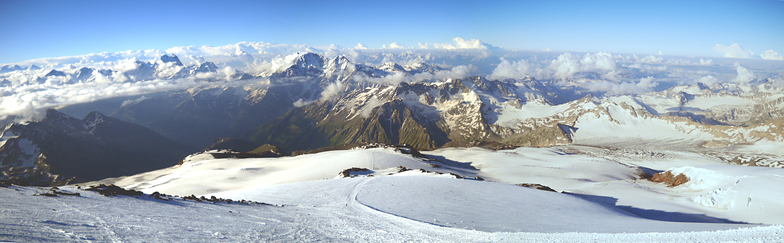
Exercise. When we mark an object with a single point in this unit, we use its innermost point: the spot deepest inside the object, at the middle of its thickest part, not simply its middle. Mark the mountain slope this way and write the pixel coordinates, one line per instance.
(60, 149)
(425, 115)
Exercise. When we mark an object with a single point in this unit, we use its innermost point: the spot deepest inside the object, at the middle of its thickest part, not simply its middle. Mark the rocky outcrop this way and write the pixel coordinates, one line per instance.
(669, 179)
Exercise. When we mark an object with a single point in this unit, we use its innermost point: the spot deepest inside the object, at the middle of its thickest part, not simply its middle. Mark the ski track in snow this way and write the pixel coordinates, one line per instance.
(106, 227)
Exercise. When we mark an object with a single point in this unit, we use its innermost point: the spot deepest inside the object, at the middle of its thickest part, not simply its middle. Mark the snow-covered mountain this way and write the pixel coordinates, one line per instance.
(164, 68)
(529, 112)
(227, 111)
(9, 68)
(60, 149)
(308, 101)
(198, 116)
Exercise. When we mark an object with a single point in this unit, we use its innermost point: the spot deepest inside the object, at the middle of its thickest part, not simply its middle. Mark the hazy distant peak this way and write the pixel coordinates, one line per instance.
(171, 58)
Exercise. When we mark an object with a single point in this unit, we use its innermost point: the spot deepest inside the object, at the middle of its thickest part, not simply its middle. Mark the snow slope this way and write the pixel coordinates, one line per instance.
(92, 217)
(467, 204)
(215, 175)
(310, 202)
(611, 176)
(606, 176)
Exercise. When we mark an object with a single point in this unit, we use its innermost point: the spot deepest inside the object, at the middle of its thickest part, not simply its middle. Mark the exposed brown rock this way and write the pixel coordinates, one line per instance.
(668, 178)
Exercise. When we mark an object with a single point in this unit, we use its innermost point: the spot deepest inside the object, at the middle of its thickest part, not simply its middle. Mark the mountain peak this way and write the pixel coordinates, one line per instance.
(702, 86)
(59, 119)
(8, 68)
(56, 73)
(207, 67)
(337, 63)
(171, 58)
(392, 67)
(93, 119)
(309, 60)
(84, 73)
(53, 114)
(93, 115)
(304, 64)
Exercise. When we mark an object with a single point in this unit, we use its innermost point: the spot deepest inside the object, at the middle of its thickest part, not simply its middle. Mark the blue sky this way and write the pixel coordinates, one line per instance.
(37, 29)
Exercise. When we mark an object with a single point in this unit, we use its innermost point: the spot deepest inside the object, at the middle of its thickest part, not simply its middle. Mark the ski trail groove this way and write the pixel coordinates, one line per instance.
(356, 204)
(112, 235)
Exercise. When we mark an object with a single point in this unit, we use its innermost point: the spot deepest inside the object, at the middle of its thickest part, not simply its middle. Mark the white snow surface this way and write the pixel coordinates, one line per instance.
(92, 217)
(510, 116)
(735, 191)
(7, 134)
(621, 125)
(710, 102)
(603, 200)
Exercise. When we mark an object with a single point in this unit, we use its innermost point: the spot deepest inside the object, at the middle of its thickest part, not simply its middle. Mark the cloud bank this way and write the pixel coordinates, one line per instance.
(566, 65)
(396, 78)
(733, 51)
(459, 44)
(29, 101)
(707, 80)
(511, 70)
(771, 55)
(744, 75)
(611, 88)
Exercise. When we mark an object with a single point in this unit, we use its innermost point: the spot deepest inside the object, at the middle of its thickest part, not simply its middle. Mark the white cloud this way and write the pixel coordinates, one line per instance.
(611, 88)
(652, 59)
(457, 72)
(133, 101)
(373, 102)
(506, 70)
(568, 64)
(360, 46)
(647, 83)
(548, 49)
(301, 103)
(460, 43)
(331, 90)
(707, 80)
(744, 75)
(394, 45)
(393, 79)
(771, 55)
(733, 51)
(30, 99)
(469, 44)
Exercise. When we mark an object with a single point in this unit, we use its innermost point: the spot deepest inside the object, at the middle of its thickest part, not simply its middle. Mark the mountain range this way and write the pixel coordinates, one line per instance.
(313, 102)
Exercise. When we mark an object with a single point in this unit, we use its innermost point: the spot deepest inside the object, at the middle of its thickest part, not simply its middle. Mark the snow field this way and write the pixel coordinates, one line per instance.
(215, 175)
(605, 201)
(92, 217)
